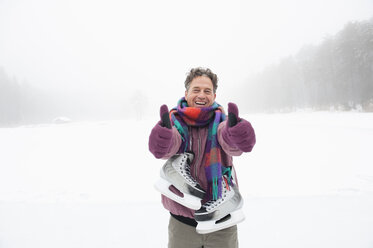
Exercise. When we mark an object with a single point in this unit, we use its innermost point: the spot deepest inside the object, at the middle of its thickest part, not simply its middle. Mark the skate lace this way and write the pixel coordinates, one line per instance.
(212, 204)
(185, 167)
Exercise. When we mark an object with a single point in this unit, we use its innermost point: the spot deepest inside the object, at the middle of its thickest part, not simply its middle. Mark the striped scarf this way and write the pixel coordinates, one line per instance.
(183, 116)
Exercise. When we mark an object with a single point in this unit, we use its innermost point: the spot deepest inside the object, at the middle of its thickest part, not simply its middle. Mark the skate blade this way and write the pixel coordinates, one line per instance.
(189, 201)
(204, 227)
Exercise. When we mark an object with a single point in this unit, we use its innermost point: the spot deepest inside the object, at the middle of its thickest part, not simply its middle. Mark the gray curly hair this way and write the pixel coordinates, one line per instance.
(200, 71)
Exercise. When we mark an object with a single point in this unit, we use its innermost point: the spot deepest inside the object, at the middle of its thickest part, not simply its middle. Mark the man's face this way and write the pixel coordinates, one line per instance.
(200, 93)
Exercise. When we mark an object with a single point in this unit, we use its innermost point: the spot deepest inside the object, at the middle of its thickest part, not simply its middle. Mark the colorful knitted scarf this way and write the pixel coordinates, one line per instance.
(183, 116)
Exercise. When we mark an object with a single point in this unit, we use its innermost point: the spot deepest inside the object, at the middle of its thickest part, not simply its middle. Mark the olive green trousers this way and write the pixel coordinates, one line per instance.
(181, 235)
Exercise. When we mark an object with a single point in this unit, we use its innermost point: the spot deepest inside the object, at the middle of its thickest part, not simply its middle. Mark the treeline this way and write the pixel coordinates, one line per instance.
(9, 100)
(22, 103)
(335, 75)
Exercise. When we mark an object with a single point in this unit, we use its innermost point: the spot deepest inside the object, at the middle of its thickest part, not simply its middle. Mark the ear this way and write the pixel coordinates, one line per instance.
(186, 94)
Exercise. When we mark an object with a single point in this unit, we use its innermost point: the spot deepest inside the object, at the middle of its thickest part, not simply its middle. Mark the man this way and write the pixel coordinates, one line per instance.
(199, 126)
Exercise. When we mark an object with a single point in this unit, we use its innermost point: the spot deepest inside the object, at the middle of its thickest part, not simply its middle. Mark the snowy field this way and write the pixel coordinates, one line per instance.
(308, 183)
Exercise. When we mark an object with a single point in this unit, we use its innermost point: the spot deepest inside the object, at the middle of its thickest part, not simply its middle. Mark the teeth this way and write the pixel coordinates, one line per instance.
(200, 103)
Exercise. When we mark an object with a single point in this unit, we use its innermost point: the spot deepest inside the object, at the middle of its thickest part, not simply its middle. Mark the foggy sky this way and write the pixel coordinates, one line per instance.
(111, 50)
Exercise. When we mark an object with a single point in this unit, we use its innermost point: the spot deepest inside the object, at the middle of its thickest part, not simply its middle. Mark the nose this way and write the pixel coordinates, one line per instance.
(201, 95)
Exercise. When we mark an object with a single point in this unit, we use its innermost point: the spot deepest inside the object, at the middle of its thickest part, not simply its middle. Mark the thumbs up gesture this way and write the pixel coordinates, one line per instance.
(238, 132)
(160, 139)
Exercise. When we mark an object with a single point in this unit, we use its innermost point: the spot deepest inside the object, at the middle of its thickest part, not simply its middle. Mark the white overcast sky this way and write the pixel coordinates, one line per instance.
(114, 46)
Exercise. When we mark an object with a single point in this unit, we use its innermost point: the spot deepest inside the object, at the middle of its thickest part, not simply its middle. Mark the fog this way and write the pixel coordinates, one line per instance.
(110, 59)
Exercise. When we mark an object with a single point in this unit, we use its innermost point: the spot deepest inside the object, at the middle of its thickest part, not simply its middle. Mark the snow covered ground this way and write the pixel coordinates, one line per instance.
(307, 183)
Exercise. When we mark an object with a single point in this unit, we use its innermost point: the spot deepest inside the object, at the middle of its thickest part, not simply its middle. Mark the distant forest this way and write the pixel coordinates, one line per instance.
(334, 75)
(22, 103)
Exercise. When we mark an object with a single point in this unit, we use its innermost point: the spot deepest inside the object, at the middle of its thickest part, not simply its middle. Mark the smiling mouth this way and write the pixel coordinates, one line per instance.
(200, 103)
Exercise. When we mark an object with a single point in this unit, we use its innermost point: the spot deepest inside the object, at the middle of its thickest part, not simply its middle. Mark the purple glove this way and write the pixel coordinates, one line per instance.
(238, 132)
(161, 135)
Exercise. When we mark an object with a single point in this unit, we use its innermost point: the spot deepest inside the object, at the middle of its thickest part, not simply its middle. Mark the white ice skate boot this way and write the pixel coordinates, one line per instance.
(222, 213)
(176, 172)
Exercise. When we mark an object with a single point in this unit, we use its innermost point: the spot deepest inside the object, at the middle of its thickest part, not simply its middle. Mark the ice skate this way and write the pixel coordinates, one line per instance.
(176, 172)
(222, 213)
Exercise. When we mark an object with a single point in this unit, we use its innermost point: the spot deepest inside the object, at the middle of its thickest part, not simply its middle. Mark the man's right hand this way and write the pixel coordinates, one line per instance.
(160, 139)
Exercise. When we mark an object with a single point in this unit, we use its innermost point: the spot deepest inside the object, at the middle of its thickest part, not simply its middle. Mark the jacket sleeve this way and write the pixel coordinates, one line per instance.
(176, 142)
(232, 151)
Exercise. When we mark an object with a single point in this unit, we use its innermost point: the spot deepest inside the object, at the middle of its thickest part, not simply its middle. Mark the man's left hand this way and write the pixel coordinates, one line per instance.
(238, 132)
